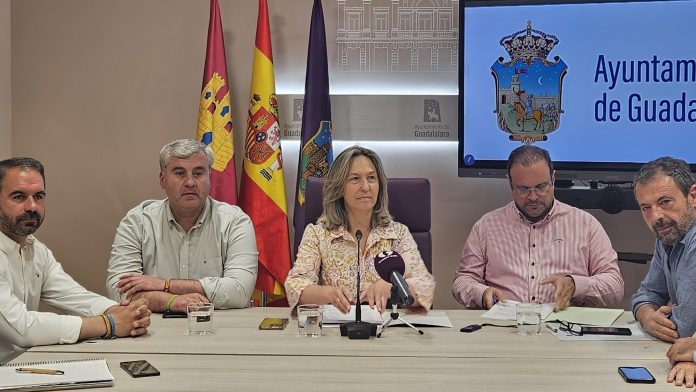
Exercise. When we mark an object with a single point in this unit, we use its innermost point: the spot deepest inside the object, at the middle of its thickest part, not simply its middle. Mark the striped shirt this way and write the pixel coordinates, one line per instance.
(506, 251)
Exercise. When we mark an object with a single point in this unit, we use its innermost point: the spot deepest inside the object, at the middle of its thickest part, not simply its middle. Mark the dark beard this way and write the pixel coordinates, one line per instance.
(535, 219)
(13, 228)
(679, 229)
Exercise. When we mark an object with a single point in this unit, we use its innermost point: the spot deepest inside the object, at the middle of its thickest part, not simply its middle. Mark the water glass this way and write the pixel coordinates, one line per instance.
(200, 318)
(309, 320)
(528, 318)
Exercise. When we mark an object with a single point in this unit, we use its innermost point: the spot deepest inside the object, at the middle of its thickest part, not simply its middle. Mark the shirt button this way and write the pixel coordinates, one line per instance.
(533, 245)
(533, 298)
(183, 266)
(534, 227)
(532, 277)
(532, 263)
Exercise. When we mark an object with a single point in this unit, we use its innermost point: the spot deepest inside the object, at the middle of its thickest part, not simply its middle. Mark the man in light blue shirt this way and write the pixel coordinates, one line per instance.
(665, 304)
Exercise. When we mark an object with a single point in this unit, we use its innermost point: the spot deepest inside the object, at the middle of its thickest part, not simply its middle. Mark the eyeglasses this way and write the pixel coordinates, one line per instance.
(570, 328)
(540, 189)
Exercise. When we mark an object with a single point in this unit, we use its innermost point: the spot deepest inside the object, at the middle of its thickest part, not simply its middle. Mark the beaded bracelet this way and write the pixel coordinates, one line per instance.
(168, 304)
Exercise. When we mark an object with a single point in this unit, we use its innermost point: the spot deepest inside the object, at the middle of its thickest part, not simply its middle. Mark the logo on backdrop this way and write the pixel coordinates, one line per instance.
(431, 110)
(297, 107)
(528, 86)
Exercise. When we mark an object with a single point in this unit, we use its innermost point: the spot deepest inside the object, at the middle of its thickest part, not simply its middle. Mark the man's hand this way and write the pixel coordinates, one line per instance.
(132, 319)
(181, 301)
(377, 295)
(682, 350)
(340, 297)
(682, 373)
(131, 284)
(565, 289)
(491, 296)
(655, 322)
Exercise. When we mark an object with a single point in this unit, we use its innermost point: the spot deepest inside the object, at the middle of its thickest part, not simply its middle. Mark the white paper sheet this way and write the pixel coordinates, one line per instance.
(433, 318)
(506, 311)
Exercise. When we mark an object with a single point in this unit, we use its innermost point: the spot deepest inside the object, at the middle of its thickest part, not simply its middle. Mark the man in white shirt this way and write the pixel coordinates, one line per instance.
(188, 247)
(30, 274)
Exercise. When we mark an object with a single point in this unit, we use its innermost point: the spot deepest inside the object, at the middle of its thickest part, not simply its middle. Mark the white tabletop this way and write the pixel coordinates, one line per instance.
(239, 356)
(236, 333)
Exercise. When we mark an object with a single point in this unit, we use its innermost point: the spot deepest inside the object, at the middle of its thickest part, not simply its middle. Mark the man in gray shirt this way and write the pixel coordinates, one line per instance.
(665, 304)
(188, 247)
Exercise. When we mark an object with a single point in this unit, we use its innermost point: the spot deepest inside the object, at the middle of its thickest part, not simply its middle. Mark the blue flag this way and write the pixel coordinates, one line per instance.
(316, 153)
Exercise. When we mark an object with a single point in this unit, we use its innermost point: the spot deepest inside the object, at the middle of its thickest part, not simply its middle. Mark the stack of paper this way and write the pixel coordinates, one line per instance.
(82, 373)
(579, 315)
(589, 316)
(506, 311)
(431, 318)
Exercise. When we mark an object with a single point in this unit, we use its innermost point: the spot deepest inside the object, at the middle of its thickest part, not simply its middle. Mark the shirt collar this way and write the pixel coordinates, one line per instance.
(8, 245)
(201, 218)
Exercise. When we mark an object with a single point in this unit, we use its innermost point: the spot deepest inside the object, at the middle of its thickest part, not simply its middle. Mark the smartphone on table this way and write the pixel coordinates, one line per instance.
(273, 323)
(636, 375)
(140, 368)
(170, 314)
(622, 331)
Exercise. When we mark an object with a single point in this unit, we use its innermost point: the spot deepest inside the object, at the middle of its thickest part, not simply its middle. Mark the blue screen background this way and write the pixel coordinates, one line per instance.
(625, 31)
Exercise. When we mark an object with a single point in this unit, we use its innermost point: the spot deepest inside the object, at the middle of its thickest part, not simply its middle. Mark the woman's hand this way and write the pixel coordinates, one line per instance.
(377, 295)
(340, 297)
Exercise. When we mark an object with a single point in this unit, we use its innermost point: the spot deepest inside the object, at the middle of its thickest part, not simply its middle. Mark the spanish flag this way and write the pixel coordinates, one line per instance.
(262, 194)
(214, 113)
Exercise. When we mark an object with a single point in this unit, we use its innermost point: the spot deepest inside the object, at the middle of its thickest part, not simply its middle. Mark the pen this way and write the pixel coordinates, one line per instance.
(40, 371)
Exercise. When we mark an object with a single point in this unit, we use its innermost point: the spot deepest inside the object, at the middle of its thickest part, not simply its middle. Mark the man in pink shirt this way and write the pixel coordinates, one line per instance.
(537, 249)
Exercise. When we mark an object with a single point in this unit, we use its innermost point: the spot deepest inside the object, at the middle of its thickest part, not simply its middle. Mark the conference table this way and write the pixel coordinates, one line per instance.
(239, 356)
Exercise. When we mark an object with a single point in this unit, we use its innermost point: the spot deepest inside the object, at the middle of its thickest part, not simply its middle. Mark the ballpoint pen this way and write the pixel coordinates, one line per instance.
(40, 371)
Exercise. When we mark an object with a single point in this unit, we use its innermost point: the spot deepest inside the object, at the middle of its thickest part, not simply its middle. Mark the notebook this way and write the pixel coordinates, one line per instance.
(79, 373)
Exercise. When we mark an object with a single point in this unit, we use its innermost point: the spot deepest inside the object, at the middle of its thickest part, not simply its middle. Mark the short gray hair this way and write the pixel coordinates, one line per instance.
(678, 169)
(184, 149)
(335, 213)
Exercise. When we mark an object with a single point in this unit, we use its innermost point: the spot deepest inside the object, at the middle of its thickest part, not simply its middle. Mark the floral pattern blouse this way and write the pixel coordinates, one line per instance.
(327, 258)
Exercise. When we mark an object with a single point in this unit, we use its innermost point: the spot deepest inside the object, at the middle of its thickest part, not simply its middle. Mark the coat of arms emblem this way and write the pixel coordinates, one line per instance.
(528, 86)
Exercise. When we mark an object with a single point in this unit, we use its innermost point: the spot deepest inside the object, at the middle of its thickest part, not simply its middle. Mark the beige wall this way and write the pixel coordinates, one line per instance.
(105, 83)
(5, 81)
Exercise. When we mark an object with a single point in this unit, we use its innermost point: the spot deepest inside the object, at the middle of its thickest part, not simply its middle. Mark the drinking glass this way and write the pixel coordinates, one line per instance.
(309, 320)
(200, 318)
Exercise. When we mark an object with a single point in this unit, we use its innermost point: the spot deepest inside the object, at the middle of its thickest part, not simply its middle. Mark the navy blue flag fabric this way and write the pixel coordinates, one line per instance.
(316, 153)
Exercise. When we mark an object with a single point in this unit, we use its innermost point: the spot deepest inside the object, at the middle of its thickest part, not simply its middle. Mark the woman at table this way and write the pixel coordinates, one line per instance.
(355, 198)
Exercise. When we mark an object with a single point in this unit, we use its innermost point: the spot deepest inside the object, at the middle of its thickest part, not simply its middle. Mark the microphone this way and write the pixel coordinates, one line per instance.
(390, 266)
(358, 329)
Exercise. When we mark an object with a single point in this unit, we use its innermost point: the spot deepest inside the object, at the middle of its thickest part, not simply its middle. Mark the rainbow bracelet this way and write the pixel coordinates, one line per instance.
(112, 324)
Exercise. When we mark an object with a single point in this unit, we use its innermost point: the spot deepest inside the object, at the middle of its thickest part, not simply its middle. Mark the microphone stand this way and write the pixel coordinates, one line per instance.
(395, 314)
(358, 329)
